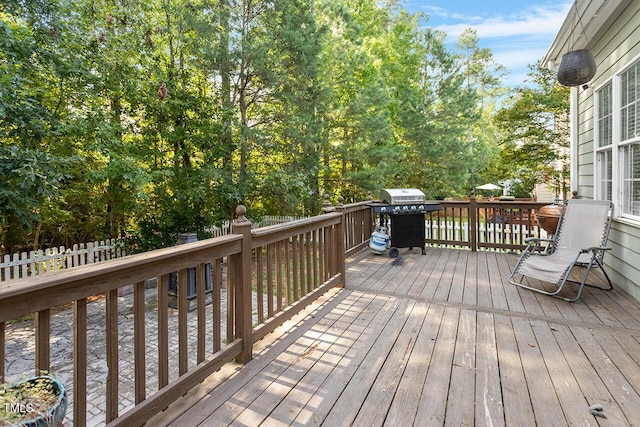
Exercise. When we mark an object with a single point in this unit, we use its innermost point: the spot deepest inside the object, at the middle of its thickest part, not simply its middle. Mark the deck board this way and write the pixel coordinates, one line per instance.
(440, 339)
(518, 409)
(489, 409)
(405, 404)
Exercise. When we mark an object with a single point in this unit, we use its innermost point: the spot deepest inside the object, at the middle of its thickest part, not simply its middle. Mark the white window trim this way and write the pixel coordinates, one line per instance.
(596, 143)
(617, 178)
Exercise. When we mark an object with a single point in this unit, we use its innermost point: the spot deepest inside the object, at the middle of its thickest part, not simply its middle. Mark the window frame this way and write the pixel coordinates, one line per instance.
(601, 151)
(617, 147)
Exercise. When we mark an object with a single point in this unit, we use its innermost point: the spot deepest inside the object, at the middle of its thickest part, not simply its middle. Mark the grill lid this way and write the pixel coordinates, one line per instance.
(397, 196)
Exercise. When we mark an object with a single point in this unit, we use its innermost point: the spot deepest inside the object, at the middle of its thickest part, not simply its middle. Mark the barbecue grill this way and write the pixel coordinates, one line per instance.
(405, 207)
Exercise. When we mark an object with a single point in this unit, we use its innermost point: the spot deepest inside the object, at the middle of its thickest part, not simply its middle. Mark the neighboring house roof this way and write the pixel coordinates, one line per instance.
(578, 31)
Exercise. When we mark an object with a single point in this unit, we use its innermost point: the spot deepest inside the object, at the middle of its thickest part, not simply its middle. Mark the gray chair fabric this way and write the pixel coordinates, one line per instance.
(580, 240)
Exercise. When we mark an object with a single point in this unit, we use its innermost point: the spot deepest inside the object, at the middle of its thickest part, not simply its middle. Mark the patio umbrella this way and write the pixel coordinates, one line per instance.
(488, 187)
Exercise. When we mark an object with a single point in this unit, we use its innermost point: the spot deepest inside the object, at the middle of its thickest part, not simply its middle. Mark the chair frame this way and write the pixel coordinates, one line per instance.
(546, 247)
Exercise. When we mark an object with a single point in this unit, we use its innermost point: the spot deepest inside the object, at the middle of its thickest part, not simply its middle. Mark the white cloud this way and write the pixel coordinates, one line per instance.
(516, 39)
(518, 58)
(447, 14)
(536, 20)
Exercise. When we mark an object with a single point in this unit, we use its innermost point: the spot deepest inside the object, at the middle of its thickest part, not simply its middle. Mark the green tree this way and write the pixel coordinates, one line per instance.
(32, 166)
(482, 75)
(153, 118)
(534, 133)
(438, 158)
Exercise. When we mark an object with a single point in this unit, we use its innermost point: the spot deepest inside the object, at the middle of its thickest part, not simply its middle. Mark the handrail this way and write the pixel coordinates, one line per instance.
(65, 286)
(269, 234)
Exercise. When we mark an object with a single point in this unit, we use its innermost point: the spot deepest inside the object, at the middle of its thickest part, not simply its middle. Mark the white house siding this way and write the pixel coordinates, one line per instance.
(614, 48)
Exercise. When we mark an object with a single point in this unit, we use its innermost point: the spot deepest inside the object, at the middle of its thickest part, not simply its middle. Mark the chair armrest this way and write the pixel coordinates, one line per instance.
(535, 245)
(536, 240)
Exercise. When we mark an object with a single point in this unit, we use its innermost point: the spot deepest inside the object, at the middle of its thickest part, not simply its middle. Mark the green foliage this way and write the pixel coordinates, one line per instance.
(148, 119)
(29, 177)
(533, 129)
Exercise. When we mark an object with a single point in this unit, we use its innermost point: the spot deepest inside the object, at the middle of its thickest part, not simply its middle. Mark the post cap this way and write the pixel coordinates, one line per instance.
(326, 205)
(241, 210)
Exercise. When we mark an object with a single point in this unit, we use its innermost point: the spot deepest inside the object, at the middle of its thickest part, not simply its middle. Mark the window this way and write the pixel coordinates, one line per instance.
(604, 157)
(617, 145)
(630, 96)
(605, 116)
(630, 139)
(631, 180)
(605, 163)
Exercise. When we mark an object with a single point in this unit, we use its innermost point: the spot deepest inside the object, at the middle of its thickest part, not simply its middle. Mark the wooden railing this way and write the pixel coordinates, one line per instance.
(483, 225)
(151, 351)
(358, 225)
(153, 354)
(23, 264)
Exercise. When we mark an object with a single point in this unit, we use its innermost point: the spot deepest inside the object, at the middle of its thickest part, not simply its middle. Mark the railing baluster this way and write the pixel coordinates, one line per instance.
(279, 284)
(217, 301)
(231, 308)
(80, 362)
(287, 263)
(139, 348)
(260, 283)
(43, 345)
(315, 257)
(322, 259)
(302, 263)
(163, 331)
(183, 306)
(328, 249)
(339, 252)
(269, 260)
(202, 314)
(112, 354)
(308, 250)
(295, 265)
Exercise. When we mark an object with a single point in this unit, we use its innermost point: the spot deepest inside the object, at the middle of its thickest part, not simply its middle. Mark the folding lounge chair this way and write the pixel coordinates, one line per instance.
(579, 240)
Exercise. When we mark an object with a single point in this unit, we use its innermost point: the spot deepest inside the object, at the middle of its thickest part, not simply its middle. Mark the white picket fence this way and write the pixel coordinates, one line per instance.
(14, 266)
(225, 227)
(487, 233)
(276, 219)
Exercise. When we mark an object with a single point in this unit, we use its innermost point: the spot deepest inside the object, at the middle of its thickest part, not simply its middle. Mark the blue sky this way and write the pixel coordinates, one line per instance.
(518, 32)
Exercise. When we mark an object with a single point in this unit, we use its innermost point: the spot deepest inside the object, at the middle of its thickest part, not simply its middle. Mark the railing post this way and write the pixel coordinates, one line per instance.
(473, 222)
(340, 242)
(327, 206)
(241, 270)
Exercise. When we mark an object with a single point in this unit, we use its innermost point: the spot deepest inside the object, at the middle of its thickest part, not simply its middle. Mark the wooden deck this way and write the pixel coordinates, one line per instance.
(440, 339)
